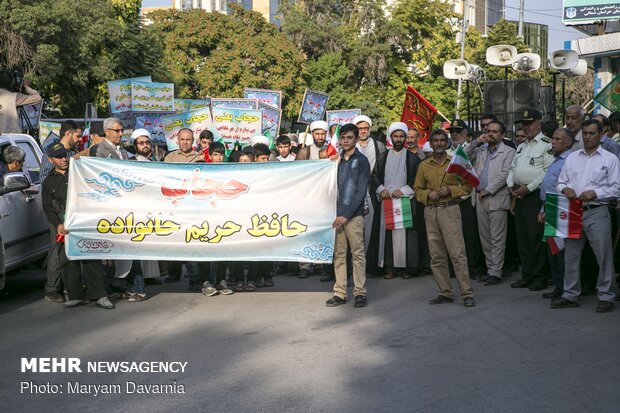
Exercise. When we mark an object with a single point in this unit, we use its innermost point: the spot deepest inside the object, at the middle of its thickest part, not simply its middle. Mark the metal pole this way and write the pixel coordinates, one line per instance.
(468, 106)
(458, 91)
(505, 95)
(521, 7)
(555, 100)
(563, 100)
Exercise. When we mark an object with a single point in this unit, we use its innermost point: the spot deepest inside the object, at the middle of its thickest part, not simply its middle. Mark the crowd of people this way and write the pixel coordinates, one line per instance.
(474, 234)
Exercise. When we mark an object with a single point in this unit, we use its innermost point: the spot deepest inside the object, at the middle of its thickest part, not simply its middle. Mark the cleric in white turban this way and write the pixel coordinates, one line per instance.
(395, 249)
(319, 124)
(318, 130)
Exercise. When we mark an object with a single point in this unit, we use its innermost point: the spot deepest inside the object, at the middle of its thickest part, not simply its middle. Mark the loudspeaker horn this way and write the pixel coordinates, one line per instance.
(579, 70)
(564, 59)
(526, 62)
(456, 69)
(475, 73)
(501, 55)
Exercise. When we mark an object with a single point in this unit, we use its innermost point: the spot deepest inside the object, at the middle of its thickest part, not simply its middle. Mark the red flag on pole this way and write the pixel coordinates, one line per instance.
(418, 113)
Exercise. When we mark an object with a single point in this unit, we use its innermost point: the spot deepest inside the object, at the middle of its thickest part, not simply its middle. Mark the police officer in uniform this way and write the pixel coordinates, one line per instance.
(529, 167)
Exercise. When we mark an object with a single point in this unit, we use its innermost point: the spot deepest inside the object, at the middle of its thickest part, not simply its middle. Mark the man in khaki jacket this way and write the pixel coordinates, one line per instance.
(492, 161)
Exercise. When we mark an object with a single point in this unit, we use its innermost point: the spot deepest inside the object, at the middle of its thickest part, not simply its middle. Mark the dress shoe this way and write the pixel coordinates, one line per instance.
(440, 299)
(563, 303)
(335, 301)
(604, 307)
(552, 294)
(469, 302)
(360, 301)
(520, 284)
(104, 302)
(492, 280)
(537, 287)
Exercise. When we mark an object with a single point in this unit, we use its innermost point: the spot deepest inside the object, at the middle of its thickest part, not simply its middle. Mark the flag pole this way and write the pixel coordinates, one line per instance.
(443, 116)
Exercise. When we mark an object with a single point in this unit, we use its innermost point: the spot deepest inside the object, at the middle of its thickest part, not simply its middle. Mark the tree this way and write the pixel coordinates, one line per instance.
(77, 46)
(212, 54)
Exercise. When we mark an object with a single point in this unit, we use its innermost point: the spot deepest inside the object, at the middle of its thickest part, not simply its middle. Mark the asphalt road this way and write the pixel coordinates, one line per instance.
(280, 349)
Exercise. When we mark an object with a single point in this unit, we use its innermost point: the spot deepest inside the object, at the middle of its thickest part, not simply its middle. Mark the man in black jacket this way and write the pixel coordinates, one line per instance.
(54, 204)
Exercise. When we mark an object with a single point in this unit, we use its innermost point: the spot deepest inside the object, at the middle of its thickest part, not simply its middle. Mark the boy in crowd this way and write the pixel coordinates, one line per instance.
(217, 153)
(283, 145)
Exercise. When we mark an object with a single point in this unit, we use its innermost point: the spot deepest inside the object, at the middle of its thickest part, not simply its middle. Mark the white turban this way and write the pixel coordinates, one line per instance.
(259, 139)
(362, 118)
(140, 132)
(319, 124)
(427, 147)
(397, 126)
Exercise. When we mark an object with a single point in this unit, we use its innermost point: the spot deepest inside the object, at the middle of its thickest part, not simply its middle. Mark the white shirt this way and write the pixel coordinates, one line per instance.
(290, 157)
(599, 172)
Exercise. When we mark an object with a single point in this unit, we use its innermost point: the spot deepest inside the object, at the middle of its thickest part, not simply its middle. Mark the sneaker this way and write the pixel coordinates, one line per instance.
(208, 289)
(223, 288)
(54, 297)
(469, 302)
(136, 298)
(74, 303)
(104, 302)
(250, 287)
(239, 287)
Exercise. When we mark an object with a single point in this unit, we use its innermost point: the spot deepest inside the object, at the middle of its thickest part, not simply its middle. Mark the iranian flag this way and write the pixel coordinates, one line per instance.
(332, 148)
(461, 166)
(555, 245)
(398, 213)
(563, 217)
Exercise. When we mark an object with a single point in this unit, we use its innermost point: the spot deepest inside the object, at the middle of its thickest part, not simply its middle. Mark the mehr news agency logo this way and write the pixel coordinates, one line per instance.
(75, 365)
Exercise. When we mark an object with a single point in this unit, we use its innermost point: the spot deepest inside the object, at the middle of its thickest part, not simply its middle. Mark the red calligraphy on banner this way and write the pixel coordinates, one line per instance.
(418, 113)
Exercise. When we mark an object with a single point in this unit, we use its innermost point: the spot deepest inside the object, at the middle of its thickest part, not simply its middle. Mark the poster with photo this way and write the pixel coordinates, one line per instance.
(313, 106)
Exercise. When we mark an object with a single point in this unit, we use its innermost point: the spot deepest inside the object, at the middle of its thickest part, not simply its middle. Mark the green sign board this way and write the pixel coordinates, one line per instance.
(577, 12)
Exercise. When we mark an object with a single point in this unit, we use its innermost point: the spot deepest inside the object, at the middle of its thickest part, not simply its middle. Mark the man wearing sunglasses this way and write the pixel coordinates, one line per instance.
(110, 146)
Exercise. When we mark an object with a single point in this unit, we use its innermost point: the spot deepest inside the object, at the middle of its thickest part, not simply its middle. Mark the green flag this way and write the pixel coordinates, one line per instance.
(610, 95)
(272, 144)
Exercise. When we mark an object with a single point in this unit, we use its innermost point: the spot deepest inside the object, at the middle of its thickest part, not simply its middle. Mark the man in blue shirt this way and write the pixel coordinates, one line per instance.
(353, 179)
(561, 143)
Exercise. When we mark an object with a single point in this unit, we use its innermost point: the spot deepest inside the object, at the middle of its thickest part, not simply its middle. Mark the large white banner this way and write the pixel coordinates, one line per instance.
(274, 211)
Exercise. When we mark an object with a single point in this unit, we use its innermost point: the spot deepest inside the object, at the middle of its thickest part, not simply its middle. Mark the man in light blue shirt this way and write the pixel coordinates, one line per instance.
(561, 143)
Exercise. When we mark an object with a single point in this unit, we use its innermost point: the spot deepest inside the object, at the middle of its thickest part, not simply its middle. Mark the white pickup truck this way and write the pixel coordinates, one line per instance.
(24, 230)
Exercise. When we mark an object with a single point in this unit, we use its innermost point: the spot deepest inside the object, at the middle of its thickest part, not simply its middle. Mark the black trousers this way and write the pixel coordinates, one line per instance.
(473, 248)
(532, 251)
(72, 272)
(511, 255)
(54, 276)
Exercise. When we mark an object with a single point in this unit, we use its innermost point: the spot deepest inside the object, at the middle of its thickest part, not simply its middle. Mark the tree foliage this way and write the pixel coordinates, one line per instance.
(213, 54)
(77, 46)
